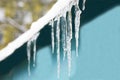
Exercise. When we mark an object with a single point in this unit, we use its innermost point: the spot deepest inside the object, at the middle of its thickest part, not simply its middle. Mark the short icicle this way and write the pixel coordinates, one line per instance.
(58, 45)
(34, 39)
(29, 56)
(83, 5)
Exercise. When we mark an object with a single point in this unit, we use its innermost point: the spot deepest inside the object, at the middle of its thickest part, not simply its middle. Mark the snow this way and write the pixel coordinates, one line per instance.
(2, 14)
(59, 10)
(35, 28)
(27, 18)
(20, 4)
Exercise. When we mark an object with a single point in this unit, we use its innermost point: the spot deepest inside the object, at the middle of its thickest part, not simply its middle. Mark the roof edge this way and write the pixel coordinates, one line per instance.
(35, 28)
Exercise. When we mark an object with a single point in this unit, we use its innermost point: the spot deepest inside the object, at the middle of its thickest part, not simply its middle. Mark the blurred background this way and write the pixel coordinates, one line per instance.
(16, 17)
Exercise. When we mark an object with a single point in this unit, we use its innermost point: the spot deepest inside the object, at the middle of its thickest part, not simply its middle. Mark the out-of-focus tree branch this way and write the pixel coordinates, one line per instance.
(16, 25)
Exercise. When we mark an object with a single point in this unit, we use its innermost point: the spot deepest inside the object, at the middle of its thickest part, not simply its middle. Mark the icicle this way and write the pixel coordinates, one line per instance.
(58, 45)
(84, 1)
(77, 25)
(29, 56)
(69, 38)
(64, 42)
(34, 48)
(29, 52)
(52, 34)
(64, 32)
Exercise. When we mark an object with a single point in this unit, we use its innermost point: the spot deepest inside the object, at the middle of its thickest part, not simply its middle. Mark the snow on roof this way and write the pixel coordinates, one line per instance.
(35, 28)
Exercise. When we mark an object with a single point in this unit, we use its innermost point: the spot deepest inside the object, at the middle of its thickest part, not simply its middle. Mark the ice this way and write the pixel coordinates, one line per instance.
(66, 28)
(67, 35)
(84, 1)
(77, 25)
(64, 36)
(69, 38)
(29, 56)
(61, 7)
(52, 34)
(58, 45)
(34, 39)
(29, 43)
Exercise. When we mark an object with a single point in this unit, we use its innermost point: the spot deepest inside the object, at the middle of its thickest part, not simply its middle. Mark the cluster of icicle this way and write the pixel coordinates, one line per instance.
(64, 30)
(29, 44)
(66, 33)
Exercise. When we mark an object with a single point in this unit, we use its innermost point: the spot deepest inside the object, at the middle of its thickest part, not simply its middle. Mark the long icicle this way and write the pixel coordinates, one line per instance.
(64, 36)
(69, 38)
(34, 48)
(58, 45)
(77, 24)
(29, 56)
